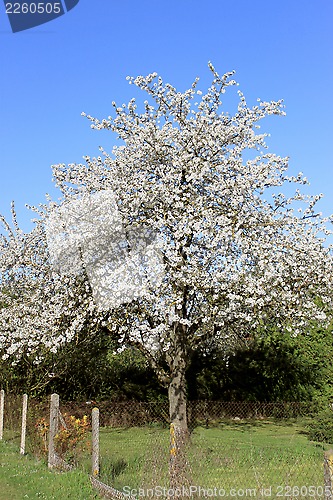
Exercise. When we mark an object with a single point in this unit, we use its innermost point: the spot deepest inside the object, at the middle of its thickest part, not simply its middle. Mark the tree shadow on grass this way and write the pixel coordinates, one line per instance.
(110, 469)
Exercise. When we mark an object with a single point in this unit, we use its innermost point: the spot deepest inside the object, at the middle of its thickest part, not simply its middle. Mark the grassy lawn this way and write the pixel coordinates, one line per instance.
(238, 455)
(256, 456)
(23, 477)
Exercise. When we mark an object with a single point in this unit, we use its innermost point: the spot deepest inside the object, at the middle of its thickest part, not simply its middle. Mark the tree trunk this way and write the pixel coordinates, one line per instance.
(177, 394)
(179, 474)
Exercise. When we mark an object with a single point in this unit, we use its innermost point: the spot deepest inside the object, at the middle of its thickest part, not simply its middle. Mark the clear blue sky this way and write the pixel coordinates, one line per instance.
(79, 62)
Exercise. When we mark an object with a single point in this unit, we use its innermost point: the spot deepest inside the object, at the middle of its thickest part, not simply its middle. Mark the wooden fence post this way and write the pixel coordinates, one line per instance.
(328, 474)
(24, 423)
(2, 408)
(54, 423)
(95, 441)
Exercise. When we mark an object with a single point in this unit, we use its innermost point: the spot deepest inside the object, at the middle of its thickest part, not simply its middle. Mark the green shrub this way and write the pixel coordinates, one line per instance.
(321, 427)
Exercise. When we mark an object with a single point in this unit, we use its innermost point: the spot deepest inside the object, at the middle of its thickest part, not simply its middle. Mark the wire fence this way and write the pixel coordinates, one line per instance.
(235, 449)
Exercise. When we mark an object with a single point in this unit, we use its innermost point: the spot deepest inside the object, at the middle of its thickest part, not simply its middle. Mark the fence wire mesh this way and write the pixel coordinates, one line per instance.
(247, 449)
(234, 450)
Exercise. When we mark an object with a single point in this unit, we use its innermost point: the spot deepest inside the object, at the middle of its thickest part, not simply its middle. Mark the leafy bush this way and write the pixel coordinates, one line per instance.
(321, 427)
(71, 440)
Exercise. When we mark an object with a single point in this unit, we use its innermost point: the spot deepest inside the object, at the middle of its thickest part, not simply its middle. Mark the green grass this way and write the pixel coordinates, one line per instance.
(23, 477)
(232, 454)
(258, 455)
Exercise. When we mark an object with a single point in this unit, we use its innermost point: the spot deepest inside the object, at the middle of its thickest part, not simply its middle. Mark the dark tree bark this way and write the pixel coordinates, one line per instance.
(177, 392)
(179, 435)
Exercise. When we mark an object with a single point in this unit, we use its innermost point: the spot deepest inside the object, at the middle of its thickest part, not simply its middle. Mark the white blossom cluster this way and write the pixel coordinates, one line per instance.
(40, 308)
(176, 232)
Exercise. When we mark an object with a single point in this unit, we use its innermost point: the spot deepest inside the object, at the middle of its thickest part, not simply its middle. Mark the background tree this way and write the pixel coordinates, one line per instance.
(271, 368)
